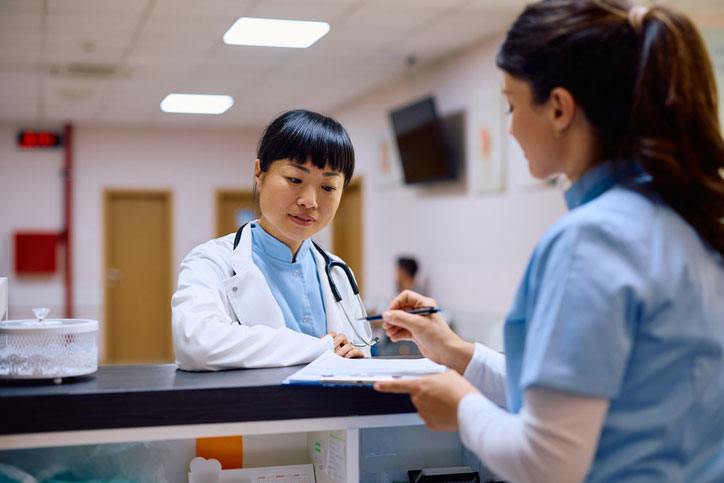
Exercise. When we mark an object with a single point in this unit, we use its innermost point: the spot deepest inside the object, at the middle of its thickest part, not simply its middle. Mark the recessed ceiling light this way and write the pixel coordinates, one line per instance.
(269, 32)
(196, 103)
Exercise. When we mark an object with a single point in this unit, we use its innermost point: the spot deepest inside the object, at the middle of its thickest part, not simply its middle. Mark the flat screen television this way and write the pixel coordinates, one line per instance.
(425, 152)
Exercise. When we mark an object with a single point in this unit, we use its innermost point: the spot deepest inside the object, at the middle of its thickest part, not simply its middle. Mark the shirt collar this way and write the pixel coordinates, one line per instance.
(270, 246)
(600, 179)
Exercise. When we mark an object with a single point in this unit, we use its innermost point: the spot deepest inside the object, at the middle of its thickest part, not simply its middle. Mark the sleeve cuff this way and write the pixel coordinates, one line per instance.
(329, 342)
(473, 369)
(476, 367)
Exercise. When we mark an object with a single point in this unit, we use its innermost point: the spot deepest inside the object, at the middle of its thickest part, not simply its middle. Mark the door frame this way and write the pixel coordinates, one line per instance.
(108, 193)
(220, 193)
(357, 183)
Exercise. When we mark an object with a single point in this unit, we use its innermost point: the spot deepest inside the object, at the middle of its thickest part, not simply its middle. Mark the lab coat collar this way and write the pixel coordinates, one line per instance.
(247, 290)
(241, 259)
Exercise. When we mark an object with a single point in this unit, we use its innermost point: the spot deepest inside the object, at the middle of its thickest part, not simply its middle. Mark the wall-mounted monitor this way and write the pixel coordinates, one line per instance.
(425, 152)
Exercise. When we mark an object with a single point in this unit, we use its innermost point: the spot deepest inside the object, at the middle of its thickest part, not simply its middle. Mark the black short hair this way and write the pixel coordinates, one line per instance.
(302, 135)
(408, 264)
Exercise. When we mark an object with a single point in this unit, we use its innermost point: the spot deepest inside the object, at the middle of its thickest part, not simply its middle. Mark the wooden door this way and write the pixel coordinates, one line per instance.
(138, 277)
(347, 229)
(233, 209)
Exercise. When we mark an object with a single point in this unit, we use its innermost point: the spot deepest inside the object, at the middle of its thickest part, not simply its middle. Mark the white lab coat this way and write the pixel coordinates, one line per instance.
(225, 321)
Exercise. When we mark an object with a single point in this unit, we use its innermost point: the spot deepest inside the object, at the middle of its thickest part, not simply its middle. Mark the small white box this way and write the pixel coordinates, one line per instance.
(209, 471)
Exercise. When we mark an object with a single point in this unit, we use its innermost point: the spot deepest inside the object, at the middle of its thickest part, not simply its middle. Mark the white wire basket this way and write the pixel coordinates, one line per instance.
(48, 349)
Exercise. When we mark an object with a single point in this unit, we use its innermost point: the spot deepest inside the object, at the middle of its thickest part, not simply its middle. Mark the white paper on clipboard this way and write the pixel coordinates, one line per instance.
(332, 369)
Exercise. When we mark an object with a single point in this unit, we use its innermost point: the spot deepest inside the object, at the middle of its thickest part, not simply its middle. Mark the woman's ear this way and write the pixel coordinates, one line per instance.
(258, 173)
(563, 108)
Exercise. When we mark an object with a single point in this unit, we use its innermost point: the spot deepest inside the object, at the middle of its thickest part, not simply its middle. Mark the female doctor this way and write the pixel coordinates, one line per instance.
(263, 297)
(614, 346)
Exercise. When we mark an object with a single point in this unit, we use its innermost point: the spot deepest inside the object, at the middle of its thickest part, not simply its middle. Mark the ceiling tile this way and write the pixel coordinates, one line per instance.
(17, 6)
(20, 22)
(83, 7)
(176, 119)
(75, 93)
(19, 87)
(484, 9)
(125, 117)
(313, 10)
(417, 6)
(179, 25)
(17, 112)
(252, 56)
(67, 49)
(135, 94)
(195, 8)
(71, 112)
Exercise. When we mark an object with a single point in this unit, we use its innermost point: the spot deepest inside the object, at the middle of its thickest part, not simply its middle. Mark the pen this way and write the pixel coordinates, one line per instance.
(426, 310)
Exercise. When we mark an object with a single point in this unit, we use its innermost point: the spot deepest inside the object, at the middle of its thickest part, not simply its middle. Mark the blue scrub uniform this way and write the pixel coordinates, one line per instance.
(622, 300)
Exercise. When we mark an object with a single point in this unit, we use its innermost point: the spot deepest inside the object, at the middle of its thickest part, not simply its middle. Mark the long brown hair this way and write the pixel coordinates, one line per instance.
(645, 82)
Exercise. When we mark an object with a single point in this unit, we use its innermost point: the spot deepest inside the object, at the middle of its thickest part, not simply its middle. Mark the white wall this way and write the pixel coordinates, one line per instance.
(192, 164)
(30, 200)
(473, 247)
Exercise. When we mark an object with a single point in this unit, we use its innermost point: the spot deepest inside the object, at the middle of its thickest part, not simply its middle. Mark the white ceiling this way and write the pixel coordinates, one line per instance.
(113, 61)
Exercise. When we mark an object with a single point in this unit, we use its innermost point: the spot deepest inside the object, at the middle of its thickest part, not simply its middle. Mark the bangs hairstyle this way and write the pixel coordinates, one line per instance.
(302, 136)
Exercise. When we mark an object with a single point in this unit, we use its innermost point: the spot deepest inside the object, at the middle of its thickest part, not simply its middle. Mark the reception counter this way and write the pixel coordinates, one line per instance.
(156, 397)
(159, 402)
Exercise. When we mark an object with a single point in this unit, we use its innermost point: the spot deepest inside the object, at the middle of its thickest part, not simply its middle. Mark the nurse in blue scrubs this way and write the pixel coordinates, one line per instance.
(614, 347)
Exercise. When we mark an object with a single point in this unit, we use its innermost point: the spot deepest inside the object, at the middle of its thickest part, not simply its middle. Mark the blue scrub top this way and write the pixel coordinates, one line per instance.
(622, 300)
(295, 285)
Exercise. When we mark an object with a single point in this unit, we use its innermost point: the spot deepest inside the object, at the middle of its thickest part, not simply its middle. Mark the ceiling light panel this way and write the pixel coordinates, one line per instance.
(269, 32)
(196, 103)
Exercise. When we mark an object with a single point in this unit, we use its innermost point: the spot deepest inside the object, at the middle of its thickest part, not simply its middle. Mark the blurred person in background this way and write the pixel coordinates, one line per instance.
(406, 279)
(406, 274)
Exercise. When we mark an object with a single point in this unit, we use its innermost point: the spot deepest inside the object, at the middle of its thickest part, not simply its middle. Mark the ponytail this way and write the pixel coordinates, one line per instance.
(645, 83)
(675, 130)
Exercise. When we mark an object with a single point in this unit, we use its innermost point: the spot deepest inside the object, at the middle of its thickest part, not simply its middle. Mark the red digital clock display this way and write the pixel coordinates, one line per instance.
(30, 139)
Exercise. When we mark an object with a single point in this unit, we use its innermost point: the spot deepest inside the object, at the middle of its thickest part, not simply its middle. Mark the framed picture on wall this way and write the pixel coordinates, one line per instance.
(487, 140)
(387, 168)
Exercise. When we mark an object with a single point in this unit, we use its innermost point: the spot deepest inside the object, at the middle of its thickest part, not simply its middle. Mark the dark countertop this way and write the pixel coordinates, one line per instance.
(161, 395)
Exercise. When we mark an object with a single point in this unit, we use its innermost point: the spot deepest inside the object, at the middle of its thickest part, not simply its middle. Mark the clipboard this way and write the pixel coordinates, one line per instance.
(330, 369)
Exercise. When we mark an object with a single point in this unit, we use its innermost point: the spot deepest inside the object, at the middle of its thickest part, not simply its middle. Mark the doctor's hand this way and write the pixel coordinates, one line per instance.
(431, 333)
(343, 348)
(436, 397)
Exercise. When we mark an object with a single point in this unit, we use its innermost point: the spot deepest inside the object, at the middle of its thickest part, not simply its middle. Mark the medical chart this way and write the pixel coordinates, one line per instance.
(332, 369)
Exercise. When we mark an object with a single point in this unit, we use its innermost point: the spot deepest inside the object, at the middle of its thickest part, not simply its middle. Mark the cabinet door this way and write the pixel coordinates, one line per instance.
(335, 455)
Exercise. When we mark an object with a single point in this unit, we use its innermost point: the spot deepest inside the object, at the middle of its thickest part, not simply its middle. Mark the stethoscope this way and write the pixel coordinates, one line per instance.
(329, 264)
